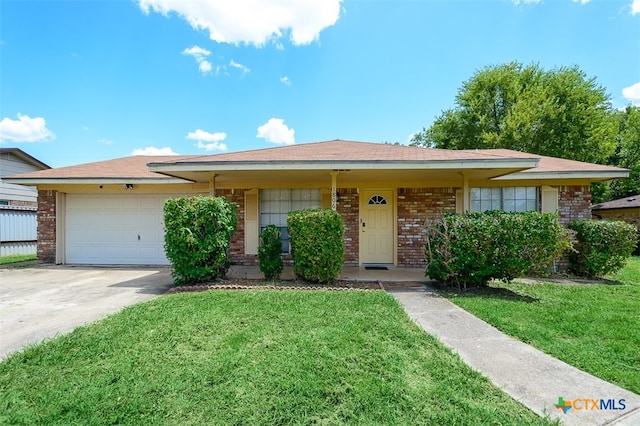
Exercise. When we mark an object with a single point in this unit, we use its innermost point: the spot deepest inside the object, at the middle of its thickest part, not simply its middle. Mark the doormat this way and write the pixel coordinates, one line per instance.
(376, 268)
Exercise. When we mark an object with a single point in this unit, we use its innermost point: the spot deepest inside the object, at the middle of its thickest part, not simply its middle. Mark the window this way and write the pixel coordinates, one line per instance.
(275, 204)
(377, 200)
(511, 199)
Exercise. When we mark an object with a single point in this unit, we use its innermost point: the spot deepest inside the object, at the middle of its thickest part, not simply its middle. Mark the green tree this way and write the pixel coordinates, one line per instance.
(627, 154)
(558, 112)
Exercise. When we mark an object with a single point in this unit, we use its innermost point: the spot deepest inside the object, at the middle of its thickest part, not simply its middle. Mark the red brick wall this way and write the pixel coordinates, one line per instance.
(46, 226)
(574, 202)
(415, 206)
(348, 207)
(236, 249)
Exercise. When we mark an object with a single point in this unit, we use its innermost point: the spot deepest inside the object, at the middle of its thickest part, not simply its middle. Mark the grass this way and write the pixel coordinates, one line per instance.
(630, 274)
(15, 258)
(251, 357)
(594, 327)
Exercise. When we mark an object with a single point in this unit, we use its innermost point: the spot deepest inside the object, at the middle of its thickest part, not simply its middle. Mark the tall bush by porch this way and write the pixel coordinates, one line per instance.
(602, 247)
(197, 236)
(270, 253)
(317, 244)
(471, 249)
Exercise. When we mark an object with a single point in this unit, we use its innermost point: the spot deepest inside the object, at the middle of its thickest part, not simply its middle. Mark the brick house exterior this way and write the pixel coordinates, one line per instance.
(110, 212)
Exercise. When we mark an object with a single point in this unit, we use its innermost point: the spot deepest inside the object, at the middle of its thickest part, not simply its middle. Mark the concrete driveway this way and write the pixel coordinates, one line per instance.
(41, 302)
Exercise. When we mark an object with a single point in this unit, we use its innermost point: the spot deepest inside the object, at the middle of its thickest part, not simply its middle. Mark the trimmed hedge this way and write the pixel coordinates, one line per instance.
(197, 236)
(269, 253)
(317, 244)
(602, 247)
(471, 249)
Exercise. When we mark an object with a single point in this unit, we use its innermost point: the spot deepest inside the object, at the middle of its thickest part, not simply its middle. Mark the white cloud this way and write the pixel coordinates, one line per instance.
(106, 141)
(151, 150)
(632, 93)
(277, 132)
(212, 146)
(200, 54)
(581, 1)
(214, 140)
(285, 80)
(252, 21)
(635, 7)
(85, 128)
(204, 66)
(25, 129)
(518, 2)
(241, 67)
(197, 52)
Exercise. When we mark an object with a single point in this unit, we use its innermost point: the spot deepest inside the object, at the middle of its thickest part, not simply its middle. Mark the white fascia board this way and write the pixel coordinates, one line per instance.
(91, 181)
(610, 174)
(354, 165)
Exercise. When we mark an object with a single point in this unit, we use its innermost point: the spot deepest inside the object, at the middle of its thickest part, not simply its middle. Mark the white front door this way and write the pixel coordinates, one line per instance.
(376, 226)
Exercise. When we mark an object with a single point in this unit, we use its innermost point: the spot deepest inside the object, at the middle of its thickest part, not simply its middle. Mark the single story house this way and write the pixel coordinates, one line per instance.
(18, 204)
(625, 209)
(110, 212)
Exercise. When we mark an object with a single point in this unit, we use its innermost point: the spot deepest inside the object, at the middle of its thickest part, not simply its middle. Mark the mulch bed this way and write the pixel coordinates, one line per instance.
(246, 284)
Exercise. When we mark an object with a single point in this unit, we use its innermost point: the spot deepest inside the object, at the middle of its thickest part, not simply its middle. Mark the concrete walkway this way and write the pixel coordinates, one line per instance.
(528, 375)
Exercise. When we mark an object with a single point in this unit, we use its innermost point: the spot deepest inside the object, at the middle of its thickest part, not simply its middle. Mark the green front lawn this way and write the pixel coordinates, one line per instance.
(15, 258)
(251, 357)
(594, 327)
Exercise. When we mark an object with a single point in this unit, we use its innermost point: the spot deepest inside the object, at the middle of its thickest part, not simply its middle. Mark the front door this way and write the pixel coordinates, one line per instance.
(376, 226)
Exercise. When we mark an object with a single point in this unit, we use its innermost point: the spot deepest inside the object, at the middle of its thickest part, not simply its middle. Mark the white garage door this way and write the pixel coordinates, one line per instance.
(115, 229)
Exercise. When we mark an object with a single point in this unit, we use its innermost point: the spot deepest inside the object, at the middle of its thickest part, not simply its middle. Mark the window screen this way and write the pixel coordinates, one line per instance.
(275, 204)
(511, 199)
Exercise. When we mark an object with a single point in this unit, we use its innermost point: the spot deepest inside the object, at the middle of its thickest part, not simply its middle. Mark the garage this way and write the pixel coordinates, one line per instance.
(115, 229)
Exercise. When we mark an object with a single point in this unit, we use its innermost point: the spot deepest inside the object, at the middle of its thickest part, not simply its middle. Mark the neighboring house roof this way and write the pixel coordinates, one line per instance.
(622, 203)
(346, 157)
(25, 157)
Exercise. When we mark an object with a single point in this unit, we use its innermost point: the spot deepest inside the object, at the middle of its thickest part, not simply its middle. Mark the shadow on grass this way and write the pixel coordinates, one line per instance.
(484, 292)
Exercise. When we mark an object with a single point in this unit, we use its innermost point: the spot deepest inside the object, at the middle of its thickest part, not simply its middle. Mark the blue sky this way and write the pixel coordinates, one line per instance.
(83, 81)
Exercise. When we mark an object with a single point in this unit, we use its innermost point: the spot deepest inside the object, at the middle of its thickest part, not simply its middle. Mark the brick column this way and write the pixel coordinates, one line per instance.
(47, 226)
(415, 207)
(574, 202)
(349, 208)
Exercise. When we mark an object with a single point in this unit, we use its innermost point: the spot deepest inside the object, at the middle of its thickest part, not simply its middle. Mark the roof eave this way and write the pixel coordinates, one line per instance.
(89, 181)
(211, 166)
(591, 175)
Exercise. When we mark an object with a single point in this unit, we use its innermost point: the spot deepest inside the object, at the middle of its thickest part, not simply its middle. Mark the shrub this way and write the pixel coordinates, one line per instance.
(602, 246)
(474, 248)
(269, 251)
(198, 232)
(317, 244)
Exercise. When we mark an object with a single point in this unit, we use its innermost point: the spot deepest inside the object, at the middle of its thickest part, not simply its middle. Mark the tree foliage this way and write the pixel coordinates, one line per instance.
(558, 112)
(627, 153)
